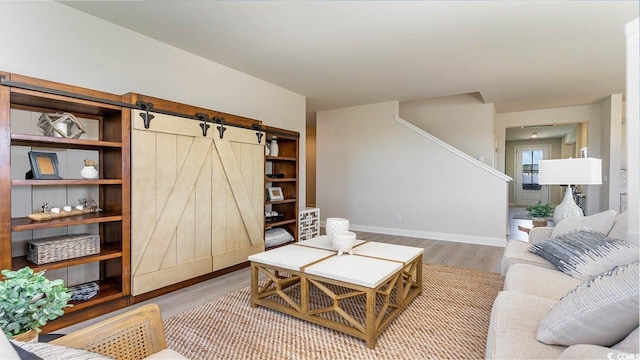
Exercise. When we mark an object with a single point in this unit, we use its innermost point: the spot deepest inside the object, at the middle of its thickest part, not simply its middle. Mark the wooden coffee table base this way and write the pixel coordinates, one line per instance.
(334, 301)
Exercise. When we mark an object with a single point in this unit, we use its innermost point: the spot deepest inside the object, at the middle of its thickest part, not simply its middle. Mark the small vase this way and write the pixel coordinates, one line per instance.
(89, 172)
(27, 336)
(334, 226)
(267, 151)
(344, 241)
(274, 149)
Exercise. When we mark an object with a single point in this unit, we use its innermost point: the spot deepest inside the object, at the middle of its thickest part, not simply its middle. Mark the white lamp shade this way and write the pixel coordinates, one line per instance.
(581, 171)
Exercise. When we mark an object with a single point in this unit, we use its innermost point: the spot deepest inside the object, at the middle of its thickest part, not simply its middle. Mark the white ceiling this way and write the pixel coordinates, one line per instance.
(518, 54)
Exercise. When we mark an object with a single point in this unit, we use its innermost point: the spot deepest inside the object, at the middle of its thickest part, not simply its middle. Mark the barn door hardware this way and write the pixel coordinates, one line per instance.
(204, 126)
(146, 117)
(259, 132)
(221, 128)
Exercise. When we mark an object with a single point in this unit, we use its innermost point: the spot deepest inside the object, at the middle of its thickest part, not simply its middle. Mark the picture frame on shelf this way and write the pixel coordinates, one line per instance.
(44, 166)
(275, 193)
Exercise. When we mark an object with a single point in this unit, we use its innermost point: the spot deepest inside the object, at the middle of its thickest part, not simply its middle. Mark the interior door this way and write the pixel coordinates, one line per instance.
(197, 201)
(527, 190)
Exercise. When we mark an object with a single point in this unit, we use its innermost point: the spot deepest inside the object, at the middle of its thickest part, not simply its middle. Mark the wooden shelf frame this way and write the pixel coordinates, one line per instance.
(287, 164)
(113, 150)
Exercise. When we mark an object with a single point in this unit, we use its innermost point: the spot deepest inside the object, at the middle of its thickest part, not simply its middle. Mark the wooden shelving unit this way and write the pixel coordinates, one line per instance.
(112, 148)
(287, 164)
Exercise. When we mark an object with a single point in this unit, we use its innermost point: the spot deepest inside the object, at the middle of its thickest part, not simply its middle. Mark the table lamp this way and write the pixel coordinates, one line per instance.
(582, 171)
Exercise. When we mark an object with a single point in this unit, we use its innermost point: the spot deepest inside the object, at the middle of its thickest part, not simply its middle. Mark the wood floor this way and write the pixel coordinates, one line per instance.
(479, 257)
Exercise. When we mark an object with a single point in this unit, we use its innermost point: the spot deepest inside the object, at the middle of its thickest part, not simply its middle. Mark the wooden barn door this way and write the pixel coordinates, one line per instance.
(197, 202)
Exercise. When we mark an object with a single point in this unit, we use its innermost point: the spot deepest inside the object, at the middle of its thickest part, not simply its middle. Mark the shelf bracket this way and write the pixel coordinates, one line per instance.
(204, 126)
(259, 132)
(146, 117)
(221, 128)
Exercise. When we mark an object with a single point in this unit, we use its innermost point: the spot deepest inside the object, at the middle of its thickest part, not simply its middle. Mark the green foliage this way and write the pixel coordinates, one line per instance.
(28, 300)
(540, 210)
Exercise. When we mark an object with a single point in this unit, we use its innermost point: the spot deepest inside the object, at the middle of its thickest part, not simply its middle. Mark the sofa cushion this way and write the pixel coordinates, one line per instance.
(516, 252)
(601, 222)
(601, 311)
(166, 354)
(630, 344)
(620, 227)
(584, 253)
(539, 281)
(512, 329)
(585, 351)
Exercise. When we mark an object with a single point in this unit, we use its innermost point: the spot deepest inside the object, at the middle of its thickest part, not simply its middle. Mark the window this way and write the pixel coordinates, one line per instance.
(530, 162)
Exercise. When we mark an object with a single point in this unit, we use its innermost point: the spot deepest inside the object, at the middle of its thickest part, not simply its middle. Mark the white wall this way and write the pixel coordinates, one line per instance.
(453, 119)
(371, 169)
(52, 41)
(610, 149)
(564, 115)
(633, 129)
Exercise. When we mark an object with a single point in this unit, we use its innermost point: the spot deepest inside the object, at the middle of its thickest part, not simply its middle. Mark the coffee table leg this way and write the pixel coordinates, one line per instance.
(371, 318)
(304, 296)
(254, 285)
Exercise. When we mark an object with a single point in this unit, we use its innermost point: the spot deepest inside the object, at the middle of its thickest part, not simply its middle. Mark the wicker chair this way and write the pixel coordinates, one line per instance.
(135, 334)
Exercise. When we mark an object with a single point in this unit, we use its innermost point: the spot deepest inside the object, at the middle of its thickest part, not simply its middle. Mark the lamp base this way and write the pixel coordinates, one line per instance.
(567, 208)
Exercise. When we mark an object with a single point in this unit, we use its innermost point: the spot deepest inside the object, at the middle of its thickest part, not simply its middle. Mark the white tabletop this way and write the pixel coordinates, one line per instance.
(406, 254)
(359, 270)
(291, 257)
(322, 242)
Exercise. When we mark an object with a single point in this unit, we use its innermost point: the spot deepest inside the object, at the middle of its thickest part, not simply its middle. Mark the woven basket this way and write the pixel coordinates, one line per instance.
(57, 248)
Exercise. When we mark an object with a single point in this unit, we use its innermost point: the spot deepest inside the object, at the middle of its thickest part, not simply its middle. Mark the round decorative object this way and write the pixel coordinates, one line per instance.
(274, 149)
(335, 225)
(344, 241)
(60, 125)
(89, 170)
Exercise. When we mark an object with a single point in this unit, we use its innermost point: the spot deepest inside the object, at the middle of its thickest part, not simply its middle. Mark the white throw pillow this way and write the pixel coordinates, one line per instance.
(601, 222)
(620, 227)
(601, 311)
(630, 344)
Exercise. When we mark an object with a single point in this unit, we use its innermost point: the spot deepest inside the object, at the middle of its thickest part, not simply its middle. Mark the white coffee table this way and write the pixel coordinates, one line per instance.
(381, 278)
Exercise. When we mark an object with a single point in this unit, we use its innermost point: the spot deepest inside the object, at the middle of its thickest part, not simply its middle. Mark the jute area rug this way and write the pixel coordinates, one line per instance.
(449, 320)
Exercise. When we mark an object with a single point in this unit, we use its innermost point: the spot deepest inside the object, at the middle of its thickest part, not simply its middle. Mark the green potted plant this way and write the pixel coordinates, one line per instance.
(540, 213)
(28, 300)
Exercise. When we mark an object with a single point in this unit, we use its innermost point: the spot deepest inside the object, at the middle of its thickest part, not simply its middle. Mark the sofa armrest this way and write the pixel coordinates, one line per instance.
(135, 334)
(539, 233)
(585, 351)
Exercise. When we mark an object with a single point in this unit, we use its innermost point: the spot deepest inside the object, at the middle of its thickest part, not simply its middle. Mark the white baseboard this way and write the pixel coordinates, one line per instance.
(467, 239)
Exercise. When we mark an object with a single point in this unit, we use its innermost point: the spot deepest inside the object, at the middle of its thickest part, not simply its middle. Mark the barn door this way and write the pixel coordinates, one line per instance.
(197, 202)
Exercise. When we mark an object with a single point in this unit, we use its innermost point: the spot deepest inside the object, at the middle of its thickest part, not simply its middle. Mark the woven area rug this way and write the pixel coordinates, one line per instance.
(449, 320)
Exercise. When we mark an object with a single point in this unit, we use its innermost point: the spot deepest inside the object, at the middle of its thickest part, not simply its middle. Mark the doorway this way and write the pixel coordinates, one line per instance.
(527, 189)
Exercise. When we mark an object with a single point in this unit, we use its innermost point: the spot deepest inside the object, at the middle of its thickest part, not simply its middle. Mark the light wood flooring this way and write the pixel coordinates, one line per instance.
(479, 257)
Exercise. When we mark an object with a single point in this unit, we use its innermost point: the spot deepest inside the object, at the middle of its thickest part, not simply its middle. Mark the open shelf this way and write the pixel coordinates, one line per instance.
(109, 290)
(55, 142)
(66, 182)
(280, 158)
(24, 223)
(106, 252)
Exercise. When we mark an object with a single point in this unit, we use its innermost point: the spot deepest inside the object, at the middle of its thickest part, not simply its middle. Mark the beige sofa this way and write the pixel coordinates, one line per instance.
(532, 287)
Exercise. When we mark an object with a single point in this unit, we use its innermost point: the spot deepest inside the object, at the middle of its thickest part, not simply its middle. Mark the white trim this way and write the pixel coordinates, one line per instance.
(453, 150)
(467, 239)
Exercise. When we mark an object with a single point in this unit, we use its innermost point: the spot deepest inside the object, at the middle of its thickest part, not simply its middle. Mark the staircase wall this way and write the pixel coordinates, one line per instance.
(387, 176)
